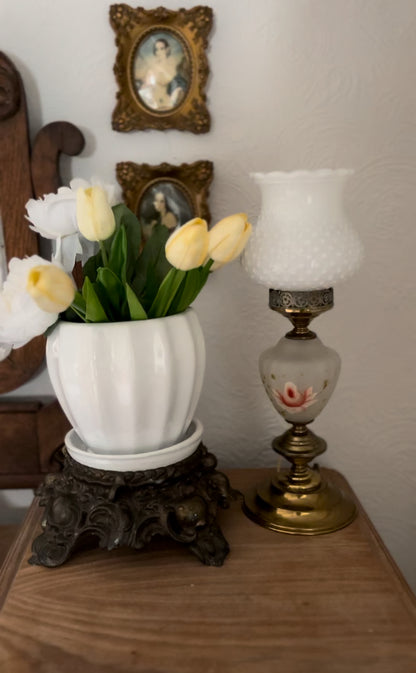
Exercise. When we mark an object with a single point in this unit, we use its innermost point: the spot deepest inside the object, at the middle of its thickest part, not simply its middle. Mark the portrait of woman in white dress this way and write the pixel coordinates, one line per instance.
(161, 71)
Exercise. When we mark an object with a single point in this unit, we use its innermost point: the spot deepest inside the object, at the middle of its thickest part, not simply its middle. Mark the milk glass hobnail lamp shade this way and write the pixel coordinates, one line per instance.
(303, 239)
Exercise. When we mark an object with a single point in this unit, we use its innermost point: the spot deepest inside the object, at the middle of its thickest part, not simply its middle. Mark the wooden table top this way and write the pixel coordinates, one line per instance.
(327, 604)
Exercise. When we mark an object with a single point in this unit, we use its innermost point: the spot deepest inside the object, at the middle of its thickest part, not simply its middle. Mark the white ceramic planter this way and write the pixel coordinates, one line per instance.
(128, 387)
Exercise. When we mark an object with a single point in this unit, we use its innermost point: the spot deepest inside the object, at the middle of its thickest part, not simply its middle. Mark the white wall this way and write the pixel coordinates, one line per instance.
(294, 84)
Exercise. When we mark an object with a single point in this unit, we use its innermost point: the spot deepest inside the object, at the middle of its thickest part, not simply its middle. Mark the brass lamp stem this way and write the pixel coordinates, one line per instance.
(299, 446)
(300, 328)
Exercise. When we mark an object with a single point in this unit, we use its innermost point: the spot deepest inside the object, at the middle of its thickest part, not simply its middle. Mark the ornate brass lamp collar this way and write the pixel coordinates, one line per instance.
(301, 306)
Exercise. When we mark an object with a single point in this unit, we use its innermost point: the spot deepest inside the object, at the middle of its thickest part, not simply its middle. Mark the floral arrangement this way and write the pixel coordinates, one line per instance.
(123, 277)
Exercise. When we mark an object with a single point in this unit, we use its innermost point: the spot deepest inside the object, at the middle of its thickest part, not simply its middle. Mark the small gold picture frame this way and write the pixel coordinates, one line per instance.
(161, 68)
(166, 194)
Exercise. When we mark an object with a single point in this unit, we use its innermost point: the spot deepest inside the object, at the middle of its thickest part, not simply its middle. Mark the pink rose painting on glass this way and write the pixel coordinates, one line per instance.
(294, 399)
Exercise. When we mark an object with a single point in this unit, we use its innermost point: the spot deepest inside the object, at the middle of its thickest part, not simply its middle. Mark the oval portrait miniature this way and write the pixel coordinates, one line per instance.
(164, 202)
(161, 71)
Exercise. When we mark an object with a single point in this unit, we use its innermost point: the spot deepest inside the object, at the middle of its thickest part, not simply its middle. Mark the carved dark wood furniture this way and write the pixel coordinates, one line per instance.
(30, 430)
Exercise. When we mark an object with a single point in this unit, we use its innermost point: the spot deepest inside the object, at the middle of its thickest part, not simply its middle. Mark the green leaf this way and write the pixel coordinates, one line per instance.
(94, 310)
(117, 261)
(79, 302)
(112, 294)
(125, 217)
(188, 291)
(166, 293)
(91, 267)
(75, 312)
(151, 267)
(136, 310)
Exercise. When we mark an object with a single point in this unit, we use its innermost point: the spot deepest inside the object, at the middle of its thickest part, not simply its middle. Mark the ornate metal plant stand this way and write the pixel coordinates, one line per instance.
(129, 508)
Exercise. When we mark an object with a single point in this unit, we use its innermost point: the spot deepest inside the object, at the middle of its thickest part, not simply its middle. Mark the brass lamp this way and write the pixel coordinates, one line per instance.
(302, 242)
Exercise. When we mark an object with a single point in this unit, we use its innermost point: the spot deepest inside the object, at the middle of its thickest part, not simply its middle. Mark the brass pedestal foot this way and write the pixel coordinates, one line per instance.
(299, 500)
(324, 509)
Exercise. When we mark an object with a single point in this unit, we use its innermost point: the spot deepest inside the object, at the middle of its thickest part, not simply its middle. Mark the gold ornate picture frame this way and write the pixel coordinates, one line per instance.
(166, 194)
(161, 68)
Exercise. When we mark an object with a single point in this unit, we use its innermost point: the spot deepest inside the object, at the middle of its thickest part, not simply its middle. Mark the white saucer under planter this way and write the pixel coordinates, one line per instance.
(151, 460)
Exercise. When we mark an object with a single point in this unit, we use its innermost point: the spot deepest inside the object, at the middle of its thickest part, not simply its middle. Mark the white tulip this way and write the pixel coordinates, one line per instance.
(21, 319)
(94, 214)
(54, 217)
(112, 190)
(51, 287)
(228, 238)
(187, 248)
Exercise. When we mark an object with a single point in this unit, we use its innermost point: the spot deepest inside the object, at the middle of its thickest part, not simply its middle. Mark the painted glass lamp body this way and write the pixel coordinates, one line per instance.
(299, 377)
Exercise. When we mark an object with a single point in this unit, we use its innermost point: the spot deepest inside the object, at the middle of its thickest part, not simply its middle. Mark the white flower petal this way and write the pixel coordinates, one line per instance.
(4, 351)
(54, 215)
(20, 317)
(88, 249)
(66, 252)
(79, 183)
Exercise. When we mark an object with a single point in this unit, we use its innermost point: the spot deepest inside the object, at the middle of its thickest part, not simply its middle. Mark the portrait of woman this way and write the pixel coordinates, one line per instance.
(164, 203)
(161, 71)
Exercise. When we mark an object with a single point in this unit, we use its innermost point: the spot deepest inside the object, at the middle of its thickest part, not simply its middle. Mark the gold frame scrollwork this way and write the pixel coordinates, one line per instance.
(188, 28)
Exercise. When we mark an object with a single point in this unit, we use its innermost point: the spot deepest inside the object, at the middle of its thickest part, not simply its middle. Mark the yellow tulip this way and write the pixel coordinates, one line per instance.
(51, 288)
(187, 248)
(94, 215)
(228, 238)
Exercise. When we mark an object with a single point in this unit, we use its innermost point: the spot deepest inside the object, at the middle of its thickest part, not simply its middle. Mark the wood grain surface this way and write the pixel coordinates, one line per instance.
(8, 534)
(327, 604)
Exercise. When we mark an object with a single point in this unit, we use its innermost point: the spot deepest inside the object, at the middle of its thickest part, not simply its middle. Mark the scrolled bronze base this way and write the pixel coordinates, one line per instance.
(129, 508)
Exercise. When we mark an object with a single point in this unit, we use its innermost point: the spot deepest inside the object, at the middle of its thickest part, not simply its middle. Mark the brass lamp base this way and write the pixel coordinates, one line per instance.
(324, 509)
(299, 500)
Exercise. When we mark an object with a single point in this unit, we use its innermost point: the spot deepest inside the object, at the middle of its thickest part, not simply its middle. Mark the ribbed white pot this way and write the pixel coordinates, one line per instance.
(128, 387)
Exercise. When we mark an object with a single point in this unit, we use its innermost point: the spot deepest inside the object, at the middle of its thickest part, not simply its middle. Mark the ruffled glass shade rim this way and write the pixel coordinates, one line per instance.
(287, 176)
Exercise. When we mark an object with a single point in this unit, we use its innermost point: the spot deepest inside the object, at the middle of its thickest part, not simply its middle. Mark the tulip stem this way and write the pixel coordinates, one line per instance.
(79, 314)
(104, 253)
